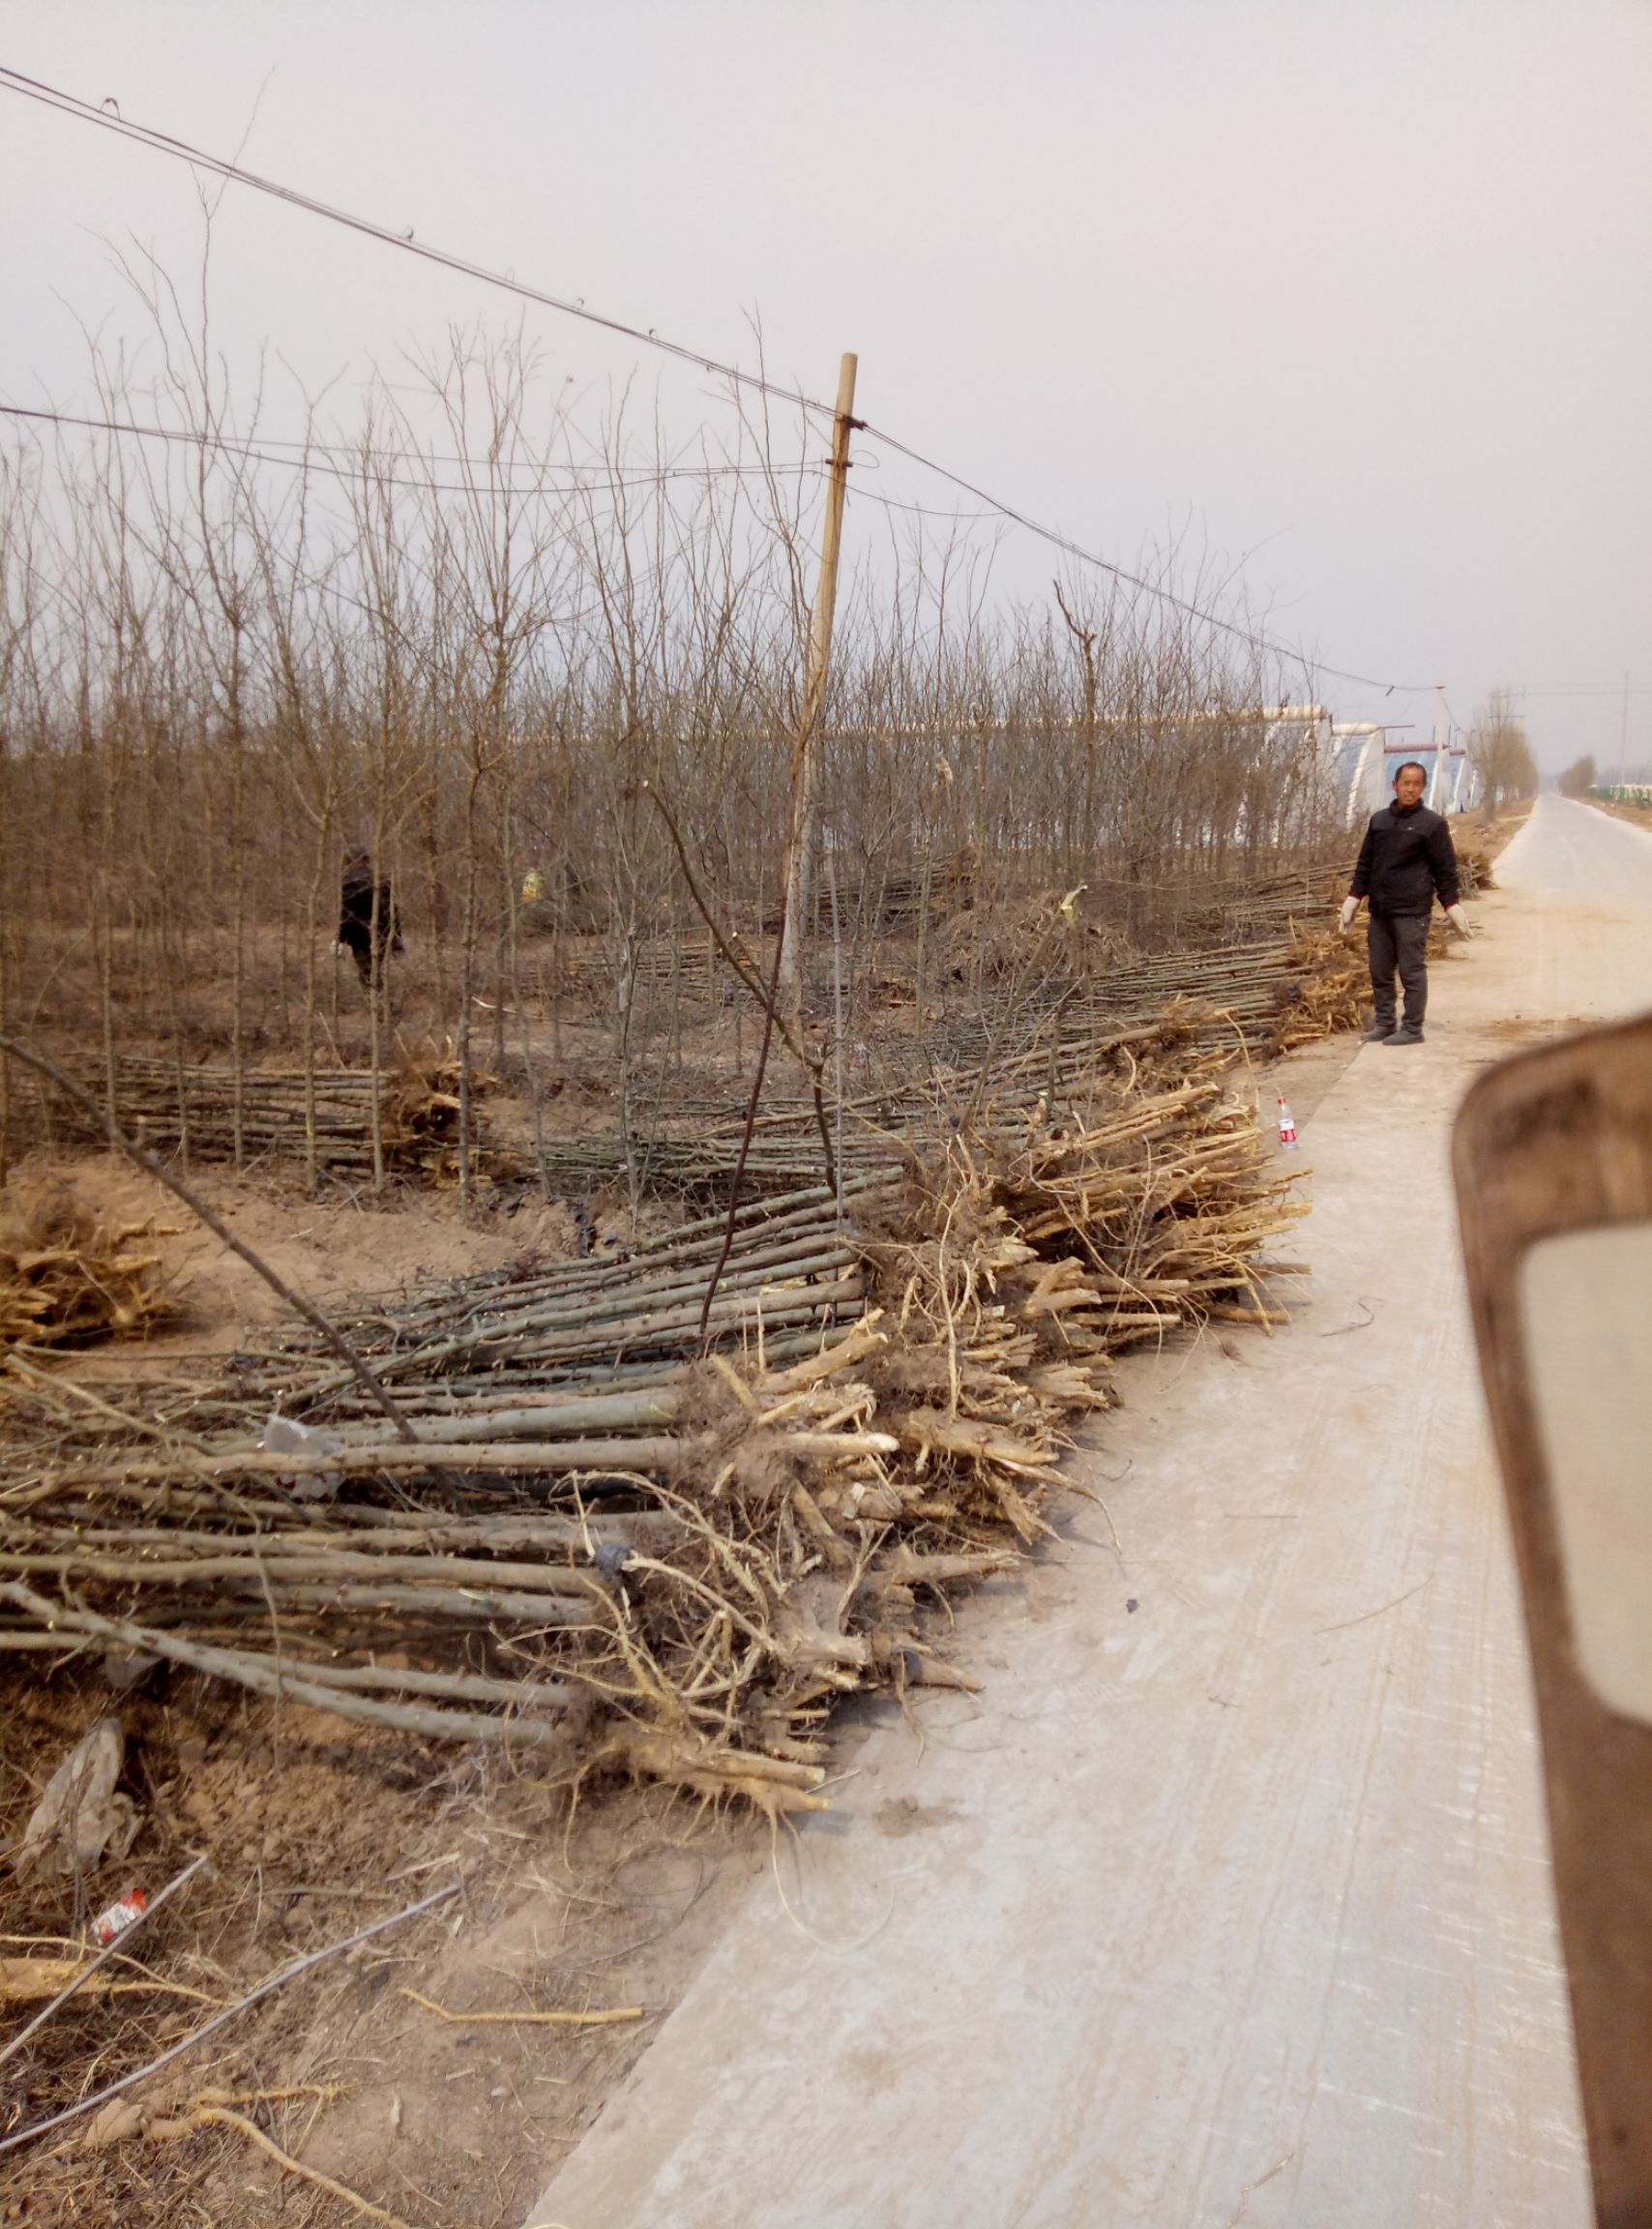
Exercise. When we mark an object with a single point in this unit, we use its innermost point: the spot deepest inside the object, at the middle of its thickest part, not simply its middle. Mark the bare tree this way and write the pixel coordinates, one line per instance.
(457, 628)
(1500, 753)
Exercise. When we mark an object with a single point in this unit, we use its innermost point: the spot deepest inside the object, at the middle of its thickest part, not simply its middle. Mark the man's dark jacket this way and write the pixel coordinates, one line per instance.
(1405, 858)
(356, 911)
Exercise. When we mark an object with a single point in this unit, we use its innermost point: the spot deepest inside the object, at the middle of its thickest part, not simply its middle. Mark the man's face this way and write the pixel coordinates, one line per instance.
(1409, 790)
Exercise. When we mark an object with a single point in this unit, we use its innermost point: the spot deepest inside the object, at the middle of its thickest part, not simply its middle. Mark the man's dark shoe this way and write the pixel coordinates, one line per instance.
(1379, 1033)
(1405, 1035)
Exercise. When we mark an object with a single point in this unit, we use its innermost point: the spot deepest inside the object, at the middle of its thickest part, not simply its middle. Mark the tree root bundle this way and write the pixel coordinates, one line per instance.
(1475, 868)
(1252, 1000)
(1245, 1004)
(1332, 989)
(1248, 1002)
(66, 1280)
(613, 1549)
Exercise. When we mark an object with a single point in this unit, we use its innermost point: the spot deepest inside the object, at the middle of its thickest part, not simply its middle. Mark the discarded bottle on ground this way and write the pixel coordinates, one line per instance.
(116, 1919)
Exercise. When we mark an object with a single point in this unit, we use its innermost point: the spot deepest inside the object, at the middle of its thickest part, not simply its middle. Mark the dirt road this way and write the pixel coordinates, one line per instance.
(1228, 1901)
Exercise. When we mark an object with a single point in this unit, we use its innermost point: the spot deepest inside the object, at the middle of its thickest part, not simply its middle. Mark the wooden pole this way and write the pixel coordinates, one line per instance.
(785, 978)
(1623, 739)
(806, 757)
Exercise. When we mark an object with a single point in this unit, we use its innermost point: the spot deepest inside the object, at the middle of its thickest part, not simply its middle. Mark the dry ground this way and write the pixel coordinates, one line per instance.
(569, 1899)
(332, 1248)
(315, 1829)
(1489, 836)
(1638, 816)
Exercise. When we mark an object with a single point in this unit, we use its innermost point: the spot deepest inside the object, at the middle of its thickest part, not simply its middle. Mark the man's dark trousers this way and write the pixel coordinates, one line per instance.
(1398, 940)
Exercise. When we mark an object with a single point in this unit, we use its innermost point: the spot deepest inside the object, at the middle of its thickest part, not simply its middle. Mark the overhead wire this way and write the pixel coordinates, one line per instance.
(307, 443)
(181, 150)
(921, 510)
(1256, 639)
(566, 620)
(320, 457)
(165, 143)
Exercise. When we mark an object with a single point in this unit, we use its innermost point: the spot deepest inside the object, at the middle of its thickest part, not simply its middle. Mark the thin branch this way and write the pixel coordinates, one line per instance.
(813, 1064)
(266, 1988)
(117, 1945)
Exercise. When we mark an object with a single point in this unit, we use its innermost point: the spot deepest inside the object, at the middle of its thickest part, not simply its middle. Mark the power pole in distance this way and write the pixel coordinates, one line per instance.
(1623, 739)
(805, 758)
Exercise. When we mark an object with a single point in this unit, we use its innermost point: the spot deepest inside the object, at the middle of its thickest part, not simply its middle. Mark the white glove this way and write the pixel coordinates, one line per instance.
(1350, 907)
(1458, 920)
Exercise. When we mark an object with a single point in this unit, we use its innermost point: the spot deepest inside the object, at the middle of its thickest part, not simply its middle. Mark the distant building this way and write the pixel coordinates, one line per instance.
(1348, 754)
(1454, 780)
(1357, 761)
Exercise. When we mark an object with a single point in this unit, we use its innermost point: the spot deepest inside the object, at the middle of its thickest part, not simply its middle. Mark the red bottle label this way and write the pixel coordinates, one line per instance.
(119, 1916)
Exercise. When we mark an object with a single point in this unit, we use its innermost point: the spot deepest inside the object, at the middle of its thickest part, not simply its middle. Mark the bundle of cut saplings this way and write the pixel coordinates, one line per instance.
(675, 1556)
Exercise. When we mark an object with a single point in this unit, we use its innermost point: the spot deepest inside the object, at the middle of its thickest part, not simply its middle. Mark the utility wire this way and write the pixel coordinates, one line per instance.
(321, 456)
(922, 510)
(352, 450)
(164, 144)
(565, 622)
(1248, 634)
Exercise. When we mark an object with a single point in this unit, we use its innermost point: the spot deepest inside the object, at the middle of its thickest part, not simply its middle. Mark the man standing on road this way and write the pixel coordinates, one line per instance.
(1406, 860)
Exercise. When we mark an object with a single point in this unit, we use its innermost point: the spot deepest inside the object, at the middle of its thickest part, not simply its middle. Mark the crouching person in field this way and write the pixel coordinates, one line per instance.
(1407, 860)
(368, 927)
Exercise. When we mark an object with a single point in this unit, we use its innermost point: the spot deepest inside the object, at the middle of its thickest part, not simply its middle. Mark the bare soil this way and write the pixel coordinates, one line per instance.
(1474, 831)
(1638, 816)
(332, 1249)
(567, 1900)
(569, 1897)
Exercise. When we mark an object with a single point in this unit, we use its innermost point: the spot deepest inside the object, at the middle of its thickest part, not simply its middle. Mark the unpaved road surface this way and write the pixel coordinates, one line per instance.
(1228, 1902)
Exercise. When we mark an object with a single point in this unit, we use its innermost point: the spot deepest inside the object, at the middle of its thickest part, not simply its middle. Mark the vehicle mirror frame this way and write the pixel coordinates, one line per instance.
(1555, 1141)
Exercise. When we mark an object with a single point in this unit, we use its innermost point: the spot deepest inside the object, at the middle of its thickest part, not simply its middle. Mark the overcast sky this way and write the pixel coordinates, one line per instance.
(1357, 290)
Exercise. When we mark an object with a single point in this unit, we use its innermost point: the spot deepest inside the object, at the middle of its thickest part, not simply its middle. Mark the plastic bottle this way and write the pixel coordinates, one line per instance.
(1287, 1126)
(116, 1917)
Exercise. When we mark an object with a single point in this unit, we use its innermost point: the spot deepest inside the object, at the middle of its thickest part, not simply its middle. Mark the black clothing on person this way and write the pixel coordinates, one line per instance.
(1398, 940)
(362, 895)
(1406, 860)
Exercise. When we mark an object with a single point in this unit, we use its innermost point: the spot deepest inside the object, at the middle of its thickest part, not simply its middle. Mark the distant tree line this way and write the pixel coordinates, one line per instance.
(1499, 749)
(521, 668)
